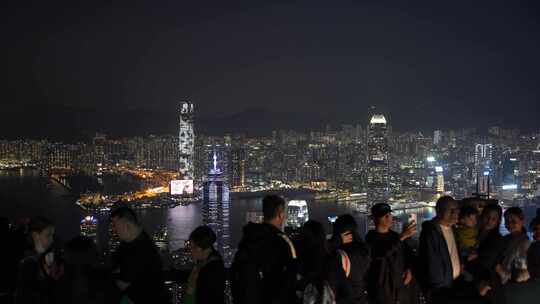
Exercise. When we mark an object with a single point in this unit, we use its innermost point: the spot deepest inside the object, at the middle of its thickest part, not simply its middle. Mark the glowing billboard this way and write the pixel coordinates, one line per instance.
(183, 186)
(509, 187)
(438, 169)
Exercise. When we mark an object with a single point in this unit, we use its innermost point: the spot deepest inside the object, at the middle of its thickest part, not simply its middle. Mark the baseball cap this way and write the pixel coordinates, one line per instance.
(380, 209)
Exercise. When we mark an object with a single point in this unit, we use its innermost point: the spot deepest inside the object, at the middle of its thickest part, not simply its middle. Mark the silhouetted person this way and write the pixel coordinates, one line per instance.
(323, 276)
(262, 265)
(354, 252)
(83, 276)
(439, 263)
(490, 242)
(206, 283)
(138, 272)
(527, 292)
(391, 261)
(533, 255)
(513, 262)
(7, 273)
(17, 238)
(38, 270)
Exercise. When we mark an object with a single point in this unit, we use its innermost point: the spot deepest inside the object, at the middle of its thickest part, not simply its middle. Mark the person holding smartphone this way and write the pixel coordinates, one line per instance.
(389, 273)
(355, 256)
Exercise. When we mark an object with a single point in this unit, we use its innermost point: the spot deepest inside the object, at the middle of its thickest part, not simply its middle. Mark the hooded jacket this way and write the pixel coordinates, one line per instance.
(261, 266)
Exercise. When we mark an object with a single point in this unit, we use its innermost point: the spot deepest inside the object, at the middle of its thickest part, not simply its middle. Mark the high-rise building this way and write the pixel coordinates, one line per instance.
(309, 172)
(440, 179)
(215, 211)
(483, 182)
(510, 170)
(59, 157)
(99, 152)
(483, 158)
(159, 152)
(254, 217)
(483, 154)
(186, 140)
(237, 165)
(494, 130)
(377, 160)
(437, 137)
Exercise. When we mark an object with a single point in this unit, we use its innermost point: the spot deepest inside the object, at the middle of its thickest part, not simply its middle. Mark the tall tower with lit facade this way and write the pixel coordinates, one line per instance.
(186, 140)
(483, 159)
(377, 160)
(483, 155)
(215, 210)
(237, 167)
(439, 185)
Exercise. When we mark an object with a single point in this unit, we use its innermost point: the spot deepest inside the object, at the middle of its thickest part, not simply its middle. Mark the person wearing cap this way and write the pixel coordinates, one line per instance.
(390, 269)
(438, 252)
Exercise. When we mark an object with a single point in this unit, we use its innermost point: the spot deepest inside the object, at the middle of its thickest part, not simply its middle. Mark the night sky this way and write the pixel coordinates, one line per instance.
(90, 66)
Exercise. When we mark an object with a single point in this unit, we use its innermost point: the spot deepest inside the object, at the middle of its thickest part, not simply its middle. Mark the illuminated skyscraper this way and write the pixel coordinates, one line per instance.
(237, 166)
(186, 140)
(99, 142)
(440, 179)
(60, 157)
(377, 160)
(483, 157)
(510, 171)
(437, 137)
(215, 211)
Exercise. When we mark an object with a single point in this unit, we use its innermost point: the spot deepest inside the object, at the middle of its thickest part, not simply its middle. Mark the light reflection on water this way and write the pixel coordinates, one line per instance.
(28, 194)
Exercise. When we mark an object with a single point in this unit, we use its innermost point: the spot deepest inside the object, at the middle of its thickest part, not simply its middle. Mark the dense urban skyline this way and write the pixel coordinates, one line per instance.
(110, 68)
(213, 129)
(371, 157)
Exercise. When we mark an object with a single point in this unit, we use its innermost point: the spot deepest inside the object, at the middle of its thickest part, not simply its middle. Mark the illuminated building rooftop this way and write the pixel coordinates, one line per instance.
(378, 119)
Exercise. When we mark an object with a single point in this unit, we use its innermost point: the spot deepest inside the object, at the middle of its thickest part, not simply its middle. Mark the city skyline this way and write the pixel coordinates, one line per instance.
(127, 123)
(370, 158)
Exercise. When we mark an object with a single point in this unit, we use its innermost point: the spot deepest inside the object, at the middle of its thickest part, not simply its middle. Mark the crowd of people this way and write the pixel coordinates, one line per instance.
(459, 257)
(36, 270)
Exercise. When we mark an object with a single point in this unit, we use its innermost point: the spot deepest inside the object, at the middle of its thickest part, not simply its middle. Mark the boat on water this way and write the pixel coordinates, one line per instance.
(408, 205)
(297, 213)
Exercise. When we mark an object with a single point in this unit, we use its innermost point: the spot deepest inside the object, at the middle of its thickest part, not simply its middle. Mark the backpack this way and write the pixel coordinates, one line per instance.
(389, 275)
(318, 295)
(322, 293)
(249, 267)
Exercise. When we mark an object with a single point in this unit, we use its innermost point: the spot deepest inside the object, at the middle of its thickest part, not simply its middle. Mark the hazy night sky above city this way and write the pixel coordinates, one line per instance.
(425, 65)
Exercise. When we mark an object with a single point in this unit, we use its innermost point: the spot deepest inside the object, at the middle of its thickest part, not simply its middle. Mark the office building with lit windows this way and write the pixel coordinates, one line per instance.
(377, 160)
